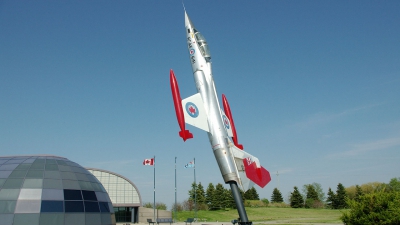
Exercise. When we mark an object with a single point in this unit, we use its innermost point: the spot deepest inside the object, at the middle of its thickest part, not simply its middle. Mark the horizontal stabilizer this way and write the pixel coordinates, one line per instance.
(259, 175)
(249, 169)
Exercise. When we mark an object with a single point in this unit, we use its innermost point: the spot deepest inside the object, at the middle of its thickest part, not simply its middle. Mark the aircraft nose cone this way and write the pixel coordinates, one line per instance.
(188, 22)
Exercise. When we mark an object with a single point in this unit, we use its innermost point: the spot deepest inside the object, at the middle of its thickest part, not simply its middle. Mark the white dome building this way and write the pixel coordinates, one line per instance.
(51, 190)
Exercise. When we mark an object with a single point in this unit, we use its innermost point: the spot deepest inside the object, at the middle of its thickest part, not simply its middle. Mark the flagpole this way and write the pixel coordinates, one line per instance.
(175, 192)
(195, 186)
(154, 195)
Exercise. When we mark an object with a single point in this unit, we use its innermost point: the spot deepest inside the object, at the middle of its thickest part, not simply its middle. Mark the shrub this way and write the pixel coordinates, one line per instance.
(188, 205)
(374, 208)
(159, 205)
(202, 206)
(266, 201)
(179, 207)
(148, 205)
(279, 205)
(311, 203)
(254, 203)
(318, 205)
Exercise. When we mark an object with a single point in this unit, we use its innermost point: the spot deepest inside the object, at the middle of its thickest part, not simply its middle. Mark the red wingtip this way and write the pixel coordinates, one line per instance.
(185, 134)
(176, 96)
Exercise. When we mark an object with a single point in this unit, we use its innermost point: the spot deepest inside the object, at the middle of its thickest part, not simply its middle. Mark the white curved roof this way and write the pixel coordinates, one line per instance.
(121, 190)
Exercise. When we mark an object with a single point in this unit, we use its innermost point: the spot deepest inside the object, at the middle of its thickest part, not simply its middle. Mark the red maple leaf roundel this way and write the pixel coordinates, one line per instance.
(192, 110)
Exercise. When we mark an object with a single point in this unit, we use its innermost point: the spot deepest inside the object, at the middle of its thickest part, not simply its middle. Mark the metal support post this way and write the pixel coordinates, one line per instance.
(239, 204)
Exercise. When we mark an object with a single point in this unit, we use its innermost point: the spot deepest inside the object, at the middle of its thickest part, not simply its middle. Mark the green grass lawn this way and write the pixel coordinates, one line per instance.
(284, 215)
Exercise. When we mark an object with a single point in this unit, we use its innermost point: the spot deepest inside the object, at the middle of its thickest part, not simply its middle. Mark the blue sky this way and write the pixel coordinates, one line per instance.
(313, 87)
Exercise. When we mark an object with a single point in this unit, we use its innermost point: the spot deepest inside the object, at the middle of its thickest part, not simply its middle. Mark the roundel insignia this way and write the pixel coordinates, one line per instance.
(192, 109)
(191, 51)
(226, 122)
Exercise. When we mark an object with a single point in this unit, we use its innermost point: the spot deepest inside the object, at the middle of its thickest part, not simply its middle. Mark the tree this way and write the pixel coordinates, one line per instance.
(200, 194)
(251, 194)
(351, 191)
(374, 208)
(199, 198)
(229, 202)
(320, 192)
(340, 199)
(161, 206)
(371, 187)
(148, 205)
(311, 193)
(317, 188)
(394, 184)
(210, 196)
(188, 205)
(178, 205)
(242, 194)
(359, 193)
(255, 194)
(219, 196)
(366, 188)
(330, 201)
(312, 199)
(296, 200)
(192, 192)
(276, 196)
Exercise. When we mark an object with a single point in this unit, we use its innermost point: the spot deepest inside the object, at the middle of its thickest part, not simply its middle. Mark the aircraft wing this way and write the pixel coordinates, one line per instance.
(194, 112)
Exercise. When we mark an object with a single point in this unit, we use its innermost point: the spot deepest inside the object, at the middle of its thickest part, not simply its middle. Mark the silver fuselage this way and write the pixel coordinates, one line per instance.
(200, 60)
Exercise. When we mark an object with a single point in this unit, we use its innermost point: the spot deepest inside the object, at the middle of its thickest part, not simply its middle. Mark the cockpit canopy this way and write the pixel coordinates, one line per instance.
(203, 46)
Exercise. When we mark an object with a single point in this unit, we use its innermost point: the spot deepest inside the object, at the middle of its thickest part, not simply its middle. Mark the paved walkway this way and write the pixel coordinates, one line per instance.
(277, 222)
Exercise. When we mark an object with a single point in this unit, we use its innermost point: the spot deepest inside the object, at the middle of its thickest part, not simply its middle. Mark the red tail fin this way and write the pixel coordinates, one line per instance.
(260, 176)
(228, 113)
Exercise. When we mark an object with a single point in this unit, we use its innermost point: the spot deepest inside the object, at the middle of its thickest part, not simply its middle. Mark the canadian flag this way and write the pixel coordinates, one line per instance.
(148, 162)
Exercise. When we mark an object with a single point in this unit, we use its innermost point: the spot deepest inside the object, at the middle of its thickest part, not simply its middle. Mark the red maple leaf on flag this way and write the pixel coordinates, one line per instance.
(148, 162)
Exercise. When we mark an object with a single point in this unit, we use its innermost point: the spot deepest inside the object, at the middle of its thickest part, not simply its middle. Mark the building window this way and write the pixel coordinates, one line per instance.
(123, 214)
